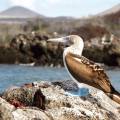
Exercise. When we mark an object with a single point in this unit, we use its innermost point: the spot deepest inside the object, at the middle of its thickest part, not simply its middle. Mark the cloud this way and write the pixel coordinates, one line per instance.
(53, 1)
(25, 3)
(34, 4)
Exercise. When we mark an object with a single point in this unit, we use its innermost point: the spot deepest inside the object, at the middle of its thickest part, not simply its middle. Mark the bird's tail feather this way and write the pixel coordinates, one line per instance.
(115, 96)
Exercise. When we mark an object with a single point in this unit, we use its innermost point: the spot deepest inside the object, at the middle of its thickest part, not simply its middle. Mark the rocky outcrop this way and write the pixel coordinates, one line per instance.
(9, 112)
(114, 49)
(31, 114)
(39, 100)
(23, 97)
(106, 50)
(6, 110)
(59, 104)
(33, 49)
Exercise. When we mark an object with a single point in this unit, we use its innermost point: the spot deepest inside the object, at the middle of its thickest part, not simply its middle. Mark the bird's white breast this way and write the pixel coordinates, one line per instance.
(66, 51)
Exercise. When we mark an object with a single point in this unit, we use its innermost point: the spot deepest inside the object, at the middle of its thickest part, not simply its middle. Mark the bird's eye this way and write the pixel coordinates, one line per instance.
(66, 45)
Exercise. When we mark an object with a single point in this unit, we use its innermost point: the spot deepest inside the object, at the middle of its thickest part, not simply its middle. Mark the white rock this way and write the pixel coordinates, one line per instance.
(6, 110)
(30, 114)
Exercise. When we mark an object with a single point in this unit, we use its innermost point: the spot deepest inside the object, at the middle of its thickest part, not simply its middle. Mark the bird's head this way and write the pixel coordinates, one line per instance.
(74, 43)
(71, 40)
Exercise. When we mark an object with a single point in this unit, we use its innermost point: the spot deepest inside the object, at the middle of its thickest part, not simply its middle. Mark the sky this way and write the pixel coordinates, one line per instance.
(53, 8)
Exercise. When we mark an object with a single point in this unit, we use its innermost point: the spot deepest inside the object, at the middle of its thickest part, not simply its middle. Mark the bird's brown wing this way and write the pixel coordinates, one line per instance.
(86, 71)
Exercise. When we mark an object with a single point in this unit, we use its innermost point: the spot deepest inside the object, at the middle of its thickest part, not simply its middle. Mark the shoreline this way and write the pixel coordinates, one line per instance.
(58, 66)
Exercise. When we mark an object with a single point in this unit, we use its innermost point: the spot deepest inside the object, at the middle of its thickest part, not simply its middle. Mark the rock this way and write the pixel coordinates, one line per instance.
(114, 47)
(29, 48)
(27, 85)
(6, 110)
(41, 84)
(31, 114)
(39, 100)
(69, 85)
(61, 106)
(65, 107)
(35, 48)
(104, 101)
(17, 103)
(25, 96)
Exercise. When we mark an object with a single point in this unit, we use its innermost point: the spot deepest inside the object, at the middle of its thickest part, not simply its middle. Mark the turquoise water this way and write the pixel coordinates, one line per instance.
(12, 75)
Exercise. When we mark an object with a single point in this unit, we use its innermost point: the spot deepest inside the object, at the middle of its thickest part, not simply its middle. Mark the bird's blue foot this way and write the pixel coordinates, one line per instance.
(80, 92)
(83, 91)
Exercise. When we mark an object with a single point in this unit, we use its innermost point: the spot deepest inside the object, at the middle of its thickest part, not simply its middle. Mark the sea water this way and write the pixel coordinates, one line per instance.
(16, 75)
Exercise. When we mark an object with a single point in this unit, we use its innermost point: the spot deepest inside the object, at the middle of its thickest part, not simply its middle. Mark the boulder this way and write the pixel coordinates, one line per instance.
(62, 105)
(6, 110)
(39, 100)
(31, 114)
(25, 96)
(70, 107)
(69, 85)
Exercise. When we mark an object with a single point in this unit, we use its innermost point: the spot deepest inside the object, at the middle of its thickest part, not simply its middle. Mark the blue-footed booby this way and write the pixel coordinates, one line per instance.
(83, 70)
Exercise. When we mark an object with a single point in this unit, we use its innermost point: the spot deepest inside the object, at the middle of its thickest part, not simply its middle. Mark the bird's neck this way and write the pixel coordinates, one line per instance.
(73, 50)
(76, 51)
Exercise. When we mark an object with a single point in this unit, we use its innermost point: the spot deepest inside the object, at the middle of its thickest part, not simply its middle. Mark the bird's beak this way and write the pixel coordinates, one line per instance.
(57, 40)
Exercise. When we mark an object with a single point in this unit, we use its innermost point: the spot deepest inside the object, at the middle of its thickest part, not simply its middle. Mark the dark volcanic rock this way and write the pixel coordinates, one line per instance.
(69, 85)
(34, 48)
(39, 100)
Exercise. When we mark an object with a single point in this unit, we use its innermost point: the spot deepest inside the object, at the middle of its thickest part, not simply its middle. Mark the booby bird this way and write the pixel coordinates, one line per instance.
(83, 70)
